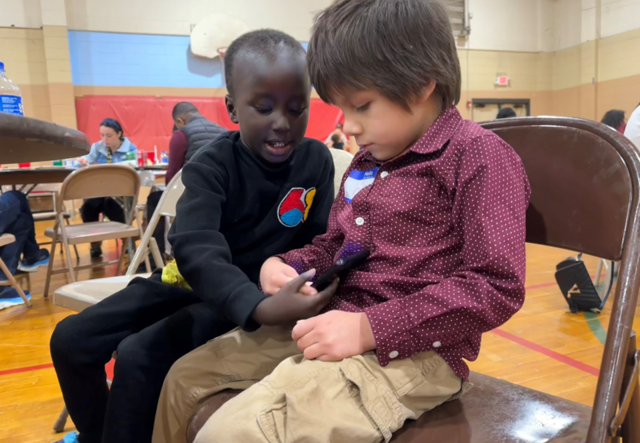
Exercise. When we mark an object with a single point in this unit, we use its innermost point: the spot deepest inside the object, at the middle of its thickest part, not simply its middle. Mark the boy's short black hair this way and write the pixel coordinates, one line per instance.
(335, 138)
(183, 109)
(395, 47)
(262, 42)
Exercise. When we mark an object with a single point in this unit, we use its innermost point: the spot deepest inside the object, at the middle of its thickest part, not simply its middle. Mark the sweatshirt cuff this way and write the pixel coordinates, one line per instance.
(241, 304)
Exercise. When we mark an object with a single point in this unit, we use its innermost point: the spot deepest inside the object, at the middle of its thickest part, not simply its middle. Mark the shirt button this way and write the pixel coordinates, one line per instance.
(437, 344)
(359, 221)
(393, 354)
(384, 174)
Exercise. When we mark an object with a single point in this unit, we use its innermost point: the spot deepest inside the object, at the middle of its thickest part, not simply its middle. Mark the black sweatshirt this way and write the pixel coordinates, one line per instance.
(236, 212)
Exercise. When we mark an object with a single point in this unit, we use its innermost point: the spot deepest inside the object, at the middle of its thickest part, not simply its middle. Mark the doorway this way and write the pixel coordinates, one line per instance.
(485, 109)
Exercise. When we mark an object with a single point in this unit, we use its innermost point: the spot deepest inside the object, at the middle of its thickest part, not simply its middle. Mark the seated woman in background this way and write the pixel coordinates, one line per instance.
(615, 119)
(112, 148)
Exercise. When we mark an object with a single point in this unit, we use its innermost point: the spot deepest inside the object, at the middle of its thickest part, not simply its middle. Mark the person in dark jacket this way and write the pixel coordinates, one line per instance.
(252, 193)
(193, 132)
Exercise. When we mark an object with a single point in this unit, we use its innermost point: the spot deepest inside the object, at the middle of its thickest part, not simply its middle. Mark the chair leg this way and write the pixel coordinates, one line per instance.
(67, 252)
(72, 271)
(598, 272)
(75, 248)
(54, 243)
(630, 431)
(121, 259)
(60, 423)
(14, 283)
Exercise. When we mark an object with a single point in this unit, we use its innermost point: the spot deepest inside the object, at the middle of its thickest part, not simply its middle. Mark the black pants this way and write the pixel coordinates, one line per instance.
(93, 207)
(151, 325)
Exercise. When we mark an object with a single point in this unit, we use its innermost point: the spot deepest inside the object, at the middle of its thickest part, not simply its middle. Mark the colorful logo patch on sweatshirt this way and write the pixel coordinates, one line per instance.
(294, 208)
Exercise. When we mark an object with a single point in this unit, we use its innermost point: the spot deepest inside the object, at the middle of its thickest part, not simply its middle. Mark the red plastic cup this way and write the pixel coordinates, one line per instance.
(152, 157)
(141, 159)
(24, 165)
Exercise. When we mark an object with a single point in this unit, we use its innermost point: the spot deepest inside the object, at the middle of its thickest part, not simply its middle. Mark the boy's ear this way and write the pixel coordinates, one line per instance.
(231, 108)
(427, 92)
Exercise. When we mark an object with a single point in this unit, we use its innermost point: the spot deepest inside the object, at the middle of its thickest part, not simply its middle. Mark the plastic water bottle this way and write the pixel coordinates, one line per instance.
(164, 158)
(10, 95)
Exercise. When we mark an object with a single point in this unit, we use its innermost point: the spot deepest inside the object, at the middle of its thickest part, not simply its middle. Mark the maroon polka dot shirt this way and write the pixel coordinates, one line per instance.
(445, 225)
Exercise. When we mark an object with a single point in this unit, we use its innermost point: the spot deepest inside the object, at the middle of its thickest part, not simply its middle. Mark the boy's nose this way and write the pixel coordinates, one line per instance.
(281, 123)
(351, 128)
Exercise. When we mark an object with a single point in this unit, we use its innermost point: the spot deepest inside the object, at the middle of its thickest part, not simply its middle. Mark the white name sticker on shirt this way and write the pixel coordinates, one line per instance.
(357, 181)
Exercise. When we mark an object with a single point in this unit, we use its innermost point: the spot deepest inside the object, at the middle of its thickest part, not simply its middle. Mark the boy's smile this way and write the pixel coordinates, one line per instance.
(270, 101)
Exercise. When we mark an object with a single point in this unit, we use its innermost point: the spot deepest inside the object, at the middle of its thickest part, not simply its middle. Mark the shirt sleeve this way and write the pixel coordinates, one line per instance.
(202, 253)
(632, 131)
(487, 288)
(91, 157)
(177, 150)
(320, 254)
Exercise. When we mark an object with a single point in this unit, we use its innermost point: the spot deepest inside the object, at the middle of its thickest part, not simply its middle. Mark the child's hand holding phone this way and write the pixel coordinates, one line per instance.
(275, 273)
(289, 305)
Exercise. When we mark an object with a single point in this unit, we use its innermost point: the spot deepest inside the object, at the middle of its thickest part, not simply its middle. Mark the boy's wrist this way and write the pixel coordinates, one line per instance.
(260, 313)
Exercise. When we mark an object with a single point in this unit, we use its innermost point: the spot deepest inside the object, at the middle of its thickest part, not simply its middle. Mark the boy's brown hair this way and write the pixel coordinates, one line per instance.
(395, 47)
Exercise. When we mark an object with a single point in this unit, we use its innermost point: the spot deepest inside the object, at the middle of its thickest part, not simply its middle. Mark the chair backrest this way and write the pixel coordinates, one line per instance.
(170, 196)
(100, 181)
(341, 161)
(585, 180)
(166, 207)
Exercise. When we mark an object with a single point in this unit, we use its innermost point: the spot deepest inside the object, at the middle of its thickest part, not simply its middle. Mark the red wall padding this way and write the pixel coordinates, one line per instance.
(147, 121)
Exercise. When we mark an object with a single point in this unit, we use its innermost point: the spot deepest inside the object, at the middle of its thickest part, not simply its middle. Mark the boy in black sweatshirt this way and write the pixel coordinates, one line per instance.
(249, 195)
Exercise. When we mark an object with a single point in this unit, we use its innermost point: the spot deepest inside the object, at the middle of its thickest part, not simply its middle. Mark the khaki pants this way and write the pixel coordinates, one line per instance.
(291, 399)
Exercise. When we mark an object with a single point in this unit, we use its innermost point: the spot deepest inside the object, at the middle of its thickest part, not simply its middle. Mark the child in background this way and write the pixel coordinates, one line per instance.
(440, 204)
(250, 194)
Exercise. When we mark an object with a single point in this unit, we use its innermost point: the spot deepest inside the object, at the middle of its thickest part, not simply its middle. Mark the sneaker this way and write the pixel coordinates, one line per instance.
(9, 297)
(71, 437)
(96, 250)
(32, 264)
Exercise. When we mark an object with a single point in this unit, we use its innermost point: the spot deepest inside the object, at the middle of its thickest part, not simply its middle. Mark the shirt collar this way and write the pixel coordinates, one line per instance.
(440, 132)
(124, 147)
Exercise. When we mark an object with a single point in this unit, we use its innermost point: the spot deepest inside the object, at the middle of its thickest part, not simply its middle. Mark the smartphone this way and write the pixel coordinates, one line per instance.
(340, 268)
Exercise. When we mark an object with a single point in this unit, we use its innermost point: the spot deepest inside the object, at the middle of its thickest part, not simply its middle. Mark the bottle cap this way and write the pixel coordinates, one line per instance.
(1, 66)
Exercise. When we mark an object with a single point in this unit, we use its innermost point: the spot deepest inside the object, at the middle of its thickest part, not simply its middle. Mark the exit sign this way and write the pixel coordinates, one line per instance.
(502, 80)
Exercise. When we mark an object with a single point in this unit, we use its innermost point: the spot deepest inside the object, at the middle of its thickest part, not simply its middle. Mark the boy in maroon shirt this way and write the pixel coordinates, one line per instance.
(440, 204)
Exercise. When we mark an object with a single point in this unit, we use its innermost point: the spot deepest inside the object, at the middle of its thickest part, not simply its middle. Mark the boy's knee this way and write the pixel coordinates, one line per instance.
(179, 388)
(129, 351)
(67, 339)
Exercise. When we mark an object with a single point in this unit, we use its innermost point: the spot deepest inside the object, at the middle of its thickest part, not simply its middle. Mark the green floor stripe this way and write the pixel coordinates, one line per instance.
(596, 327)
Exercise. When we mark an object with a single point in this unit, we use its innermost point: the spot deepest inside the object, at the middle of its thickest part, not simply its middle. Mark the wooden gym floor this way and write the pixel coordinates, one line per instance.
(543, 346)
